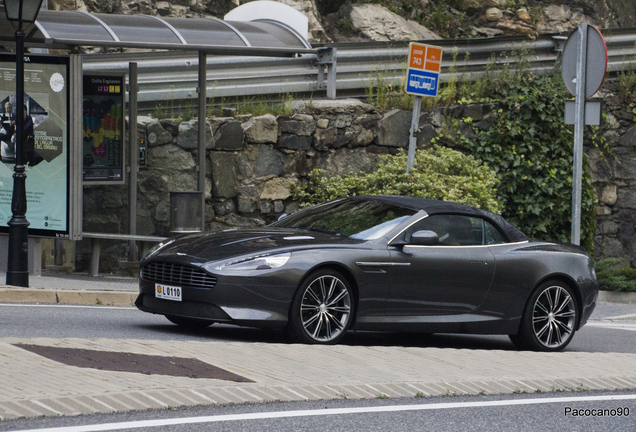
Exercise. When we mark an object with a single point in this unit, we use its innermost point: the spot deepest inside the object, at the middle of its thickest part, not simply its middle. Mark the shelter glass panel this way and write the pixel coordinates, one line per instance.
(74, 26)
(267, 35)
(139, 28)
(205, 32)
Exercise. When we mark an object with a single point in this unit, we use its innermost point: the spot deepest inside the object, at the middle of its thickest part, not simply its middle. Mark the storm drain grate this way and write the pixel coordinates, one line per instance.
(137, 363)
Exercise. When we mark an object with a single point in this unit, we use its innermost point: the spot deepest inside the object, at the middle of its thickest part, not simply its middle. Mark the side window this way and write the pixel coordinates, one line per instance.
(452, 230)
(492, 235)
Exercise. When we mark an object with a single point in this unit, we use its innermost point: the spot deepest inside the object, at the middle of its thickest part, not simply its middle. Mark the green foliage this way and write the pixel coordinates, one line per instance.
(530, 149)
(438, 173)
(615, 274)
(626, 83)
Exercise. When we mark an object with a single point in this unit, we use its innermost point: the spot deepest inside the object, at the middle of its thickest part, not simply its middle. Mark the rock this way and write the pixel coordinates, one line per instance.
(609, 195)
(364, 138)
(299, 124)
(485, 124)
(265, 206)
(496, 3)
(216, 122)
(244, 166)
(265, 160)
(494, 14)
(157, 135)
(261, 129)
(607, 227)
(557, 12)
(59, 5)
(603, 211)
(294, 142)
(246, 204)
(427, 133)
(229, 112)
(171, 125)
(229, 136)
(188, 138)
(322, 123)
(612, 247)
(278, 206)
(342, 121)
(629, 138)
(611, 121)
(325, 138)
(626, 198)
(378, 23)
(277, 188)
(223, 175)
(472, 5)
(162, 211)
(523, 15)
(308, 8)
(486, 31)
(474, 111)
(394, 128)
(437, 118)
(342, 162)
(224, 207)
(170, 158)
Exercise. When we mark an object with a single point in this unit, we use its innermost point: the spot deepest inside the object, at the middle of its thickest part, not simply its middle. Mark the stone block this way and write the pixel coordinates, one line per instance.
(494, 14)
(278, 206)
(277, 188)
(171, 125)
(246, 204)
(394, 128)
(609, 195)
(427, 133)
(265, 206)
(294, 142)
(261, 129)
(188, 138)
(265, 160)
(229, 136)
(474, 111)
(299, 124)
(224, 207)
(625, 198)
(325, 138)
(322, 123)
(223, 175)
(486, 124)
(607, 227)
(157, 134)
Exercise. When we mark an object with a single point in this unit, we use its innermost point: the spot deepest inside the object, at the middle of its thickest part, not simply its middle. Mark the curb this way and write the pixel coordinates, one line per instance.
(31, 295)
(616, 297)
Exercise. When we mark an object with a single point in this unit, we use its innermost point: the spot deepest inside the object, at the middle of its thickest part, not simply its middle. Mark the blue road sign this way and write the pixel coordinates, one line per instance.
(422, 83)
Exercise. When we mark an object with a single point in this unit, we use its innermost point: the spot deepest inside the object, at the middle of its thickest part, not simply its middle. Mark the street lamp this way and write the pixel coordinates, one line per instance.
(20, 11)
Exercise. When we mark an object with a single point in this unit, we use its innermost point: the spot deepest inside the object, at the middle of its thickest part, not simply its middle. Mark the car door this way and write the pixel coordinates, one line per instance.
(449, 278)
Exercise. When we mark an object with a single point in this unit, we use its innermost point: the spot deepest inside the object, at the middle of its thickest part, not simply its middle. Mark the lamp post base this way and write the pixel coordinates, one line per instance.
(18, 265)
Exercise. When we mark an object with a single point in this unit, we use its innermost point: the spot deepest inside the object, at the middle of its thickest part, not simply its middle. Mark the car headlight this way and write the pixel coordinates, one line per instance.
(261, 262)
(153, 250)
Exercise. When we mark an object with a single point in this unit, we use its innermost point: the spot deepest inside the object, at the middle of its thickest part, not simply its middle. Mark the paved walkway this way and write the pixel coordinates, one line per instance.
(33, 385)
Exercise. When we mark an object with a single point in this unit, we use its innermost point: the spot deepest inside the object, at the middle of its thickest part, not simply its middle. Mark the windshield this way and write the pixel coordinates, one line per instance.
(358, 219)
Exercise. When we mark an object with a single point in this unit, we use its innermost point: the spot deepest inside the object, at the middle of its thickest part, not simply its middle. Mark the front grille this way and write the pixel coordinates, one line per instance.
(177, 274)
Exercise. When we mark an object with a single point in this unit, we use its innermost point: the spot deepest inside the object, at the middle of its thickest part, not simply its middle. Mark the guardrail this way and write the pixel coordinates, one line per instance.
(170, 78)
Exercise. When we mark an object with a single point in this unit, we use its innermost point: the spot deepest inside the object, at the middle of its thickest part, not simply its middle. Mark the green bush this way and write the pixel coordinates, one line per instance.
(438, 173)
(615, 274)
(530, 149)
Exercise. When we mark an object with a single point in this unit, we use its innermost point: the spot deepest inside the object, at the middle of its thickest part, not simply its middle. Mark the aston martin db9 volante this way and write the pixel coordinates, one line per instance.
(379, 263)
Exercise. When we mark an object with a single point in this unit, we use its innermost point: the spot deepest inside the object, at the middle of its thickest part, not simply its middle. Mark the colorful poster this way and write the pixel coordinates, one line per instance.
(103, 122)
(46, 142)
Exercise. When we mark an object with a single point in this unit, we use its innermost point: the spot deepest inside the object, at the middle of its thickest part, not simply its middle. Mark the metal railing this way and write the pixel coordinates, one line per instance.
(170, 78)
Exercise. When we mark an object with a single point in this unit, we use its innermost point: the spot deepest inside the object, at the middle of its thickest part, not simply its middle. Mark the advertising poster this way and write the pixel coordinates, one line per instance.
(46, 142)
(103, 122)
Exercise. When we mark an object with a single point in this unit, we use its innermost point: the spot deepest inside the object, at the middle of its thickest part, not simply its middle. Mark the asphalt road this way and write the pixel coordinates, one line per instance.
(59, 321)
(521, 412)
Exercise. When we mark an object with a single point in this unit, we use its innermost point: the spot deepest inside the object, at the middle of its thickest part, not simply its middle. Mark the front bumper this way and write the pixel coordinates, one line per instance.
(255, 301)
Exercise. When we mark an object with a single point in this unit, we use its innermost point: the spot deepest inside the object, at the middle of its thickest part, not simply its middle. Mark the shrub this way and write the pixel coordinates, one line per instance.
(615, 274)
(438, 173)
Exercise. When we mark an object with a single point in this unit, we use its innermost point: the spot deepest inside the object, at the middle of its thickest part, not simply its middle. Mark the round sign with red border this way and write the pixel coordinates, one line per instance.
(596, 64)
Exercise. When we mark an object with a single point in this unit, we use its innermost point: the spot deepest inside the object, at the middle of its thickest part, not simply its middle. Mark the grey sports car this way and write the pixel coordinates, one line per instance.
(379, 263)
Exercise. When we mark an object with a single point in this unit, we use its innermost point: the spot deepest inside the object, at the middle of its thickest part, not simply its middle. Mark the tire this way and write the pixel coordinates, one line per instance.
(549, 319)
(189, 323)
(322, 309)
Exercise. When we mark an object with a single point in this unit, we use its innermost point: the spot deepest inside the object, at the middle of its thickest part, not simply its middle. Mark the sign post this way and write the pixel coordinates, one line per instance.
(422, 79)
(583, 71)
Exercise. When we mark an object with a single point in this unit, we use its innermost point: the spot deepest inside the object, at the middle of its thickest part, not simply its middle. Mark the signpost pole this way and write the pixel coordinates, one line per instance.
(579, 123)
(415, 125)
(133, 154)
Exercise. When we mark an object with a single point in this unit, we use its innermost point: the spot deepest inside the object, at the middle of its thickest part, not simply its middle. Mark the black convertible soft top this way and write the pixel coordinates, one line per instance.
(432, 207)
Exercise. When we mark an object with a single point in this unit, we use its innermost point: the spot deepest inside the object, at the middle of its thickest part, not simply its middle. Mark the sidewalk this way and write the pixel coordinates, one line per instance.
(32, 384)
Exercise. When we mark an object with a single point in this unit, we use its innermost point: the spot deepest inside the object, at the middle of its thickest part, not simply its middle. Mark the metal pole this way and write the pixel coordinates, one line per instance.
(203, 90)
(415, 125)
(133, 152)
(579, 124)
(18, 264)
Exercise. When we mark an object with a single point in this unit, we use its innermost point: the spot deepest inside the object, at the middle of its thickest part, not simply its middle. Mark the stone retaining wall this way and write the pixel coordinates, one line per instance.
(252, 162)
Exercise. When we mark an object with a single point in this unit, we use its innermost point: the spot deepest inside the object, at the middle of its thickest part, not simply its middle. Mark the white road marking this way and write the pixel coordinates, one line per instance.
(613, 325)
(67, 306)
(325, 412)
(615, 317)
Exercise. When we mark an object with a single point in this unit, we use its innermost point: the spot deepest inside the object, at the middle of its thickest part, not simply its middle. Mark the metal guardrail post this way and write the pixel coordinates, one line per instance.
(327, 59)
(202, 90)
(133, 152)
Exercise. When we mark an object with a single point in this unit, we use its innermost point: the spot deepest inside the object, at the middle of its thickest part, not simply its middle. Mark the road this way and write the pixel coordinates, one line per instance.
(59, 321)
(544, 412)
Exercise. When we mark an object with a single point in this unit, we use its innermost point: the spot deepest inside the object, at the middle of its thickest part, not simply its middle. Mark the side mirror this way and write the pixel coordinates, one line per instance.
(284, 215)
(425, 238)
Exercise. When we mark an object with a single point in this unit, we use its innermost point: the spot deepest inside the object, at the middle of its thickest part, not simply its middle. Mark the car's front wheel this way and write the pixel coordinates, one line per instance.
(322, 309)
(189, 323)
(549, 319)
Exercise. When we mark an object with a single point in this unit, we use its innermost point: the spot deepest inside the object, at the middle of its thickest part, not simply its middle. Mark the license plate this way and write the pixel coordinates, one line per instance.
(168, 292)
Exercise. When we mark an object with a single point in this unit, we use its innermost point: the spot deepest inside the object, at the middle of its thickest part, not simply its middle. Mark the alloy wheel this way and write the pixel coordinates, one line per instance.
(553, 317)
(325, 308)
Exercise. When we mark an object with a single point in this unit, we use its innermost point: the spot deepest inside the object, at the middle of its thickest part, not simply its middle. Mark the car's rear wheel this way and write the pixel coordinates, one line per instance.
(189, 323)
(549, 319)
(322, 309)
